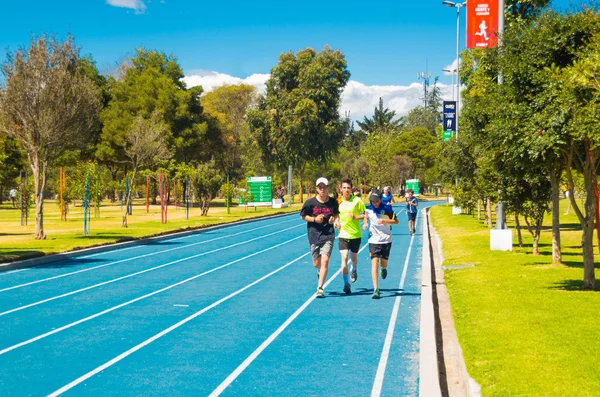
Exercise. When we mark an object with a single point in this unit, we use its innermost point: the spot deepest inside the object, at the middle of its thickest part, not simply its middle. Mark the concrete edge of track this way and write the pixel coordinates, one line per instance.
(429, 365)
(448, 364)
(42, 260)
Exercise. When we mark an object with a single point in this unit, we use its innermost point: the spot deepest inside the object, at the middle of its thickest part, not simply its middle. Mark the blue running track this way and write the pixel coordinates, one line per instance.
(229, 311)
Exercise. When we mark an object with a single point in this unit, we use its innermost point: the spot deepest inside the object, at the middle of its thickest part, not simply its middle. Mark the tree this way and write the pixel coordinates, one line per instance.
(419, 146)
(422, 117)
(229, 104)
(145, 145)
(382, 120)
(556, 117)
(152, 81)
(298, 120)
(47, 105)
(12, 160)
(206, 181)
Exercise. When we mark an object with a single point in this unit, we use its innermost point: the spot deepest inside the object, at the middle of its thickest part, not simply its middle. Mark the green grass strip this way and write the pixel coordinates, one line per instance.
(525, 326)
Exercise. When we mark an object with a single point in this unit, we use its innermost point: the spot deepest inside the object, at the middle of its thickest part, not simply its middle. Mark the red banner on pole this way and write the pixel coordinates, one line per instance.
(482, 23)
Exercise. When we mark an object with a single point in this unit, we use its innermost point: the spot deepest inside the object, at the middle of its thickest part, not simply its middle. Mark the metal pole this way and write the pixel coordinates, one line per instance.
(457, 66)
(21, 206)
(290, 183)
(500, 224)
(187, 198)
(227, 193)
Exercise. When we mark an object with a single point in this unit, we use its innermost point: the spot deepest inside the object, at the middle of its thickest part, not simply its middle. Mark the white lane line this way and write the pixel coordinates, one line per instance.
(387, 344)
(177, 305)
(167, 330)
(237, 225)
(126, 260)
(138, 273)
(12, 271)
(175, 237)
(270, 339)
(83, 320)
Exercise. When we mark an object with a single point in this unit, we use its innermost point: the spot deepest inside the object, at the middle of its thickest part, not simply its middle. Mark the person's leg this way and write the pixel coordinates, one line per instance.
(324, 255)
(324, 269)
(315, 251)
(344, 255)
(354, 246)
(343, 244)
(375, 272)
(384, 265)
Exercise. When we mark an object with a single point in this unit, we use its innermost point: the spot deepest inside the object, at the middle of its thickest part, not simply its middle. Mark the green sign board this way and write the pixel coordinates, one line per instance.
(413, 184)
(261, 190)
(447, 135)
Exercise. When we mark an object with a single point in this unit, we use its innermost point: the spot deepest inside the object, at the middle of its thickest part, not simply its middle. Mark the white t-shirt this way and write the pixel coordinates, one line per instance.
(379, 234)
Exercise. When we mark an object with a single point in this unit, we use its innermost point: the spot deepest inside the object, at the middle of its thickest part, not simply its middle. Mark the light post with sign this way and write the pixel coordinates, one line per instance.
(449, 120)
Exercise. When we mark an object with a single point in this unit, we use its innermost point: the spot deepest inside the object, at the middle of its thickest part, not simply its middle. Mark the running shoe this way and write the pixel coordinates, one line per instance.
(383, 273)
(347, 289)
(353, 275)
(376, 294)
(320, 293)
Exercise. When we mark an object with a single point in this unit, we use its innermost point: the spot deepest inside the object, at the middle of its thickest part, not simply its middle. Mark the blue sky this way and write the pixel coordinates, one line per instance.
(386, 43)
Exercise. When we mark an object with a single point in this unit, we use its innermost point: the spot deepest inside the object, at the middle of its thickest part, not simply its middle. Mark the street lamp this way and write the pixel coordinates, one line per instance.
(458, 6)
(451, 71)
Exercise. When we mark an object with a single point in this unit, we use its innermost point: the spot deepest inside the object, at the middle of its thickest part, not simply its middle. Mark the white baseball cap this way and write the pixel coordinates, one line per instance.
(322, 180)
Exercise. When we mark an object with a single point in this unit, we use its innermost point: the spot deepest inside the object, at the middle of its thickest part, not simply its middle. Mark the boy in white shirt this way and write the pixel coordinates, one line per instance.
(380, 236)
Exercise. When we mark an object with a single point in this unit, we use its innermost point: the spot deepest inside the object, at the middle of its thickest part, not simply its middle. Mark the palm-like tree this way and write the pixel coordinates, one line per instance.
(382, 120)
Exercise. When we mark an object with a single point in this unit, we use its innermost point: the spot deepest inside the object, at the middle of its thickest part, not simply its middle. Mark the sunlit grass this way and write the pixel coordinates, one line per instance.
(525, 325)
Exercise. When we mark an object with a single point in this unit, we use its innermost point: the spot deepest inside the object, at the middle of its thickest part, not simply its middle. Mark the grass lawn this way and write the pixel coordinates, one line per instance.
(525, 326)
(17, 242)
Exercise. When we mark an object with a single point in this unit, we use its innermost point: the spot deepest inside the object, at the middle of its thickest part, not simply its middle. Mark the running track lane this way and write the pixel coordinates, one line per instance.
(197, 356)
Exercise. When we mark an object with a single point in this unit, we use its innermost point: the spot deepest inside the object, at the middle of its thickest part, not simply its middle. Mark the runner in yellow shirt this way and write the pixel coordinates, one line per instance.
(352, 209)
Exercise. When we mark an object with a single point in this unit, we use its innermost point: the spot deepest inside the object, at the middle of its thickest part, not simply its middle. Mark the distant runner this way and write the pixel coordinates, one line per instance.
(387, 198)
(411, 209)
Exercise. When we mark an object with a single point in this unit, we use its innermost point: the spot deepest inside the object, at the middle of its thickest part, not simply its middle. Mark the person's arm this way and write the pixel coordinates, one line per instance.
(306, 214)
(312, 218)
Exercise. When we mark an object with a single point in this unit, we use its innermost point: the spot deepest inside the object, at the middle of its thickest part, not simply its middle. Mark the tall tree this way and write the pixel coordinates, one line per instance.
(298, 120)
(382, 120)
(547, 107)
(144, 145)
(229, 104)
(152, 82)
(48, 105)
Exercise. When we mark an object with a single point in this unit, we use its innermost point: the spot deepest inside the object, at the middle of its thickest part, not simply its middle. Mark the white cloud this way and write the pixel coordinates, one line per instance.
(210, 80)
(359, 99)
(137, 5)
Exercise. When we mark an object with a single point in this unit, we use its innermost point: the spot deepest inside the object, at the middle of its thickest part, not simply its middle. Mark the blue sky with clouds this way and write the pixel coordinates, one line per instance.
(386, 43)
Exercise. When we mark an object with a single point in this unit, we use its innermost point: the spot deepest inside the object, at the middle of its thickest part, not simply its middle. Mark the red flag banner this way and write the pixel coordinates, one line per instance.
(482, 23)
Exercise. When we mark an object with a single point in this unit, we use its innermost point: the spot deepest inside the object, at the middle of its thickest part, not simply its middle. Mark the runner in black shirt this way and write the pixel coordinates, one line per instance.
(320, 212)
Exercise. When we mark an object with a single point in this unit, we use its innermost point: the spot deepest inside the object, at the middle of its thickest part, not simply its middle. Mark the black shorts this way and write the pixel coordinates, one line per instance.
(380, 250)
(411, 216)
(352, 244)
